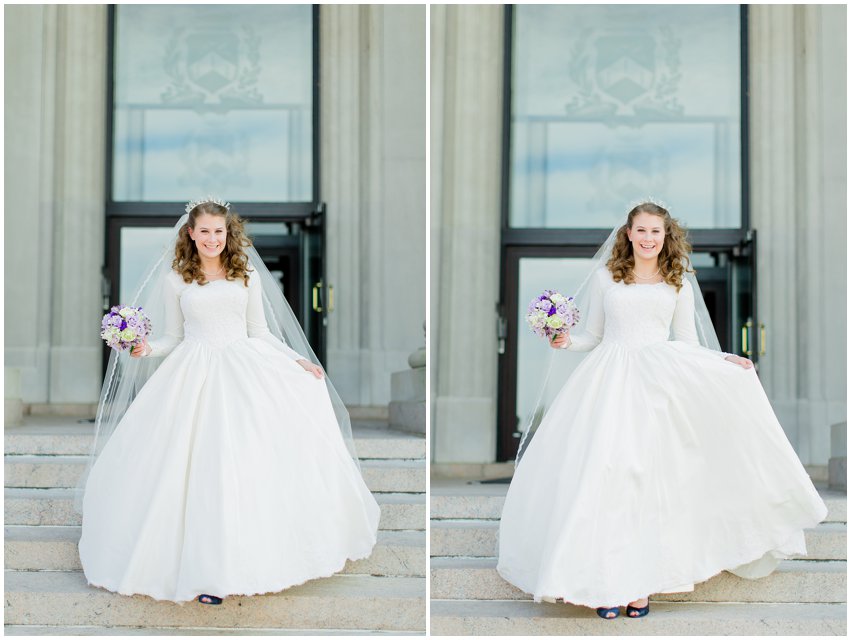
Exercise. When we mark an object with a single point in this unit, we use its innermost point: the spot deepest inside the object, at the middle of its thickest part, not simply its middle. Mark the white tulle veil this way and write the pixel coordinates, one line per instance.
(125, 376)
(561, 362)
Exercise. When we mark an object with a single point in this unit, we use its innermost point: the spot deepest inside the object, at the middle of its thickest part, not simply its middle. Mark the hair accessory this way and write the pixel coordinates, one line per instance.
(648, 199)
(191, 205)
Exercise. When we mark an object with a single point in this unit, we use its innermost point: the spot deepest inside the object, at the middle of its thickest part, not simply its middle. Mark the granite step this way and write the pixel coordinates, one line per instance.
(60, 598)
(43, 472)
(44, 548)
(53, 435)
(42, 630)
(465, 617)
(479, 539)
(484, 502)
(794, 581)
(56, 507)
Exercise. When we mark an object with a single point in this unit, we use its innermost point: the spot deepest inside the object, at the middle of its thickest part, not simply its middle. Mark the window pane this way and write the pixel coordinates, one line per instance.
(140, 247)
(213, 99)
(533, 353)
(611, 104)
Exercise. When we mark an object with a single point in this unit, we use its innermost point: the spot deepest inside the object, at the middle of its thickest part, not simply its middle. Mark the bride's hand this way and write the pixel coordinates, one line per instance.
(744, 363)
(140, 349)
(560, 341)
(315, 369)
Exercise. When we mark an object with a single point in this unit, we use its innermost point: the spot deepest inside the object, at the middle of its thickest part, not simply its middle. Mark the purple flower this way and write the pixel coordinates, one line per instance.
(542, 309)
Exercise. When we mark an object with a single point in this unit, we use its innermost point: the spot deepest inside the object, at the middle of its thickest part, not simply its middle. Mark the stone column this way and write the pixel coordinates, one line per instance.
(466, 126)
(373, 180)
(78, 217)
(56, 91)
(798, 168)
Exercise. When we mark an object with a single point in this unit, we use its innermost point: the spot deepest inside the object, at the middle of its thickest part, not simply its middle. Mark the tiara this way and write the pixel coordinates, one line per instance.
(650, 200)
(191, 205)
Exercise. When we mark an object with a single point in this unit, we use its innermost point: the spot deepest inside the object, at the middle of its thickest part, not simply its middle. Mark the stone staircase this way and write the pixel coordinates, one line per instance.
(47, 594)
(468, 597)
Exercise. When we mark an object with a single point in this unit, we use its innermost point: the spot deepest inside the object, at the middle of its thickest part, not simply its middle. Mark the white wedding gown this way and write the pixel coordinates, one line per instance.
(658, 465)
(228, 473)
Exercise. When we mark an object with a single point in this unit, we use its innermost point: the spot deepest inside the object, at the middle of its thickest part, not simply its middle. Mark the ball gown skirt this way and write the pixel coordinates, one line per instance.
(656, 467)
(227, 475)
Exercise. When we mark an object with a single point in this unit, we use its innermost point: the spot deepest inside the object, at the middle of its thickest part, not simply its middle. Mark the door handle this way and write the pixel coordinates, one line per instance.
(761, 339)
(501, 330)
(330, 298)
(746, 334)
(316, 289)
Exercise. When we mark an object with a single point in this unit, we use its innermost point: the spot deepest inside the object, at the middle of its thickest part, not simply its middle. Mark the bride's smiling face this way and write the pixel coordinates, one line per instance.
(647, 235)
(210, 234)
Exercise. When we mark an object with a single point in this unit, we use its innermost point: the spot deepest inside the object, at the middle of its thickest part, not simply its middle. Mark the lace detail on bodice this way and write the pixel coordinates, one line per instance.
(638, 314)
(215, 313)
(635, 315)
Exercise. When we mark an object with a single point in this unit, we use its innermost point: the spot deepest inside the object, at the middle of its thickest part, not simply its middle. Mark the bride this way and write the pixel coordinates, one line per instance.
(228, 468)
(660, 462)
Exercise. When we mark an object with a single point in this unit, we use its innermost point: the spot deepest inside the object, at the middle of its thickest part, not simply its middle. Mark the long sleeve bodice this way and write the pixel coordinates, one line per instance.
(635, 315)
(216, 313)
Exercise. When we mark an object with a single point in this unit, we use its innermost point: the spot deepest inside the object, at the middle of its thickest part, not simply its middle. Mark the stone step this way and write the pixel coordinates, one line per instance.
(40, 548)
(459, 501)
(60, 598)
(56, 507)
(41, 630)
(479, 539)
(50, 435)
(793, 581)
(465, 617)
(44, 472)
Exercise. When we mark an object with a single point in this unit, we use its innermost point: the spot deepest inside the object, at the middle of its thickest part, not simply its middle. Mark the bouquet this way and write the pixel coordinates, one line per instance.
(551, 314)
(125, 327)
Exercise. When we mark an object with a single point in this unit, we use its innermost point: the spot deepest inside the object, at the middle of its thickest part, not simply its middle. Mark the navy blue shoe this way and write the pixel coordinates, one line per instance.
(638, 612)
(603, 612)
(207, 599)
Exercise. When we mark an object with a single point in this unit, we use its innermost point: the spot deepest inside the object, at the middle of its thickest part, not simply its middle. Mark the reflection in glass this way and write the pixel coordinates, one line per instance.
(213, 99)
(613, 103)
(140, 248)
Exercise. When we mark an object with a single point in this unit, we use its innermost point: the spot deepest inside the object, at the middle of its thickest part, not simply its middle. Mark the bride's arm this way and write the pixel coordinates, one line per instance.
(682, 324)
(173, 329)
(591, 334)
(684, 328)
(256, 320)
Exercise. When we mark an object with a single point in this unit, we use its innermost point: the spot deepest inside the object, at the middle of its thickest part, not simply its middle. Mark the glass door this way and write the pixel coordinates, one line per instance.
(220, 100)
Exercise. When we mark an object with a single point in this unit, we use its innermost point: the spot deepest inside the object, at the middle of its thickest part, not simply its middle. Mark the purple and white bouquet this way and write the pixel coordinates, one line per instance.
(551, 314)
(125, 327)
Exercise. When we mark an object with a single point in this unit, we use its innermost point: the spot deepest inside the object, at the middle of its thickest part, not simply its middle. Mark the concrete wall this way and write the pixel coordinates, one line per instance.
(55, 57)
(798, 187)
(466, 129)
(374, 150)
(373, 167)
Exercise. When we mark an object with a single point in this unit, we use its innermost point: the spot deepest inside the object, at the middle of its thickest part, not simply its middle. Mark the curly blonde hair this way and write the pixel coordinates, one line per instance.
(235, 261)
(673, 259)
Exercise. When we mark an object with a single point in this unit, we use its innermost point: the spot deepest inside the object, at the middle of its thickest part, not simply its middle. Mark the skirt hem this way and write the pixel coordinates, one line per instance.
(743, 559)
(327, 573)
